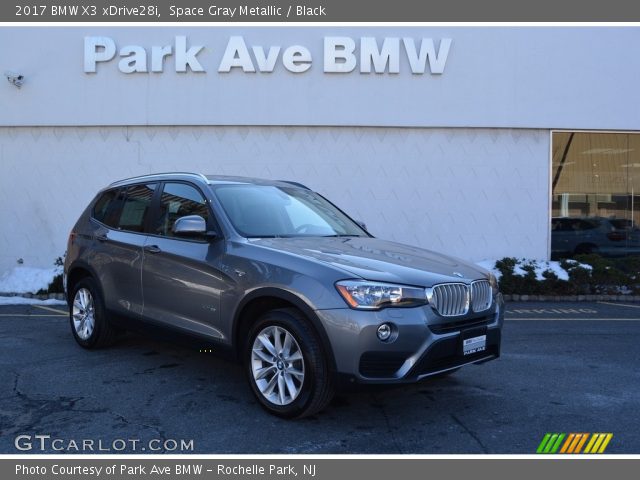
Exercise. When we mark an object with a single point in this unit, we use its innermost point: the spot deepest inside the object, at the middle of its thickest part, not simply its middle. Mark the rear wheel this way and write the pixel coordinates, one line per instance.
(286, 366)
(89, 321)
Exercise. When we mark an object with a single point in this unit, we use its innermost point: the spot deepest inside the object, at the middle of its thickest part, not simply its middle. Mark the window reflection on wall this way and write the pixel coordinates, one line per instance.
(595, 194)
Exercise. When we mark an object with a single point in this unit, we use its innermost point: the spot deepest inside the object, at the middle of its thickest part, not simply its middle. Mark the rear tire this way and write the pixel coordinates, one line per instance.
(89, 320)
(286, 365)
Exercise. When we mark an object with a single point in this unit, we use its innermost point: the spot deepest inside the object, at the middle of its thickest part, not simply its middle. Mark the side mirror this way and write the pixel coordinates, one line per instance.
(191, 226)
(362, 225)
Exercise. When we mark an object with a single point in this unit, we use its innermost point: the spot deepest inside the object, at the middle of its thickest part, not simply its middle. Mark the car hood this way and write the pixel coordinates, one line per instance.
(378, 260)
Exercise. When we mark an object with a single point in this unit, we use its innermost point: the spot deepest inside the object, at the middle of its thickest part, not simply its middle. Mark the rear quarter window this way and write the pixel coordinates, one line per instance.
(105, 210)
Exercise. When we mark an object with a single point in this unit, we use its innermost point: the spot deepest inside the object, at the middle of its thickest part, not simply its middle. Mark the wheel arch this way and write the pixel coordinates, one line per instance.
(262, 300)
(77, 271)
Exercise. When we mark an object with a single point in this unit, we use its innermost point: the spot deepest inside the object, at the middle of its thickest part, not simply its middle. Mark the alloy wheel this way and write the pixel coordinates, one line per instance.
(277, 365)
(83, 313)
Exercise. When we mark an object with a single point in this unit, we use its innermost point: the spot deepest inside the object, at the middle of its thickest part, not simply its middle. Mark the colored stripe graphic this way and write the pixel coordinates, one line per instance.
(594, 437)
(574, 442)
(598, 443)
(607, 439)
(576, 439)
(543, 443)
(567, 443)
(550, 443)
(582, 442)
(576, 446)
(556, 445)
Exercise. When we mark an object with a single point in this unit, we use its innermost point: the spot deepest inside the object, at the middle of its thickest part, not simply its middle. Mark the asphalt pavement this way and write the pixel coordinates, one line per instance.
(565, 367)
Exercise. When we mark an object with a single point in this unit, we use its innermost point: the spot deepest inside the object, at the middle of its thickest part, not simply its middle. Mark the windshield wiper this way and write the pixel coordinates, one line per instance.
(340, 236)
(270, 236)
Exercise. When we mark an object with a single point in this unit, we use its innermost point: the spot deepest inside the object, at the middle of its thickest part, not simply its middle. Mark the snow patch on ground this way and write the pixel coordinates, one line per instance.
(29, 301)
(27, 279)
(555, 267)
(581, 265)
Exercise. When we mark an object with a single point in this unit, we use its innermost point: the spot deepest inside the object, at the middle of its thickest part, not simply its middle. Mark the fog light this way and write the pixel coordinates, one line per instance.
(384, 332)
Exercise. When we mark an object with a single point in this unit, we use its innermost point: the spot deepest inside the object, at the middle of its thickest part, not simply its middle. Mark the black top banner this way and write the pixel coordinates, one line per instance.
(87, 11)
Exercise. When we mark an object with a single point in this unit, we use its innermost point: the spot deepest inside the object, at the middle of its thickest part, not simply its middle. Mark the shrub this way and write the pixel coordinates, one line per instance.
(588, 274)
(56, 285)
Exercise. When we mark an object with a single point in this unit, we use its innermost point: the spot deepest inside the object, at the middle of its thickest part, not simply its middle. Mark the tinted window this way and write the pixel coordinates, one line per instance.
(178, 200)
(559, 225)
(271, 211)
(621, 224)
(585, 225)
(595, 178)
(136, 207)
(103, 206)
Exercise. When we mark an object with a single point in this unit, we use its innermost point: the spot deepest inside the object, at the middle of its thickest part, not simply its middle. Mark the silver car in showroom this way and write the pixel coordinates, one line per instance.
(279, 277)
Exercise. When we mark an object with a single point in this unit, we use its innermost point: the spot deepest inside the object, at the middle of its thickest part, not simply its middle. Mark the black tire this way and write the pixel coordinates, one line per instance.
(103, 333)
(316, 390)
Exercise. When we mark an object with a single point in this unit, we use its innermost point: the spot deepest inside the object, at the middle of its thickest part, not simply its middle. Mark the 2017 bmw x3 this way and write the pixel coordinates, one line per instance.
(300, 293)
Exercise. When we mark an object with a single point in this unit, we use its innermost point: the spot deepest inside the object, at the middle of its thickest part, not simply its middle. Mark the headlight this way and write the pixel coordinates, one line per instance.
(365, 295)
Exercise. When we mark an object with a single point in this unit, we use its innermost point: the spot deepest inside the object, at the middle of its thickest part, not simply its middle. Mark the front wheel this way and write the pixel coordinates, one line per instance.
(286, 365)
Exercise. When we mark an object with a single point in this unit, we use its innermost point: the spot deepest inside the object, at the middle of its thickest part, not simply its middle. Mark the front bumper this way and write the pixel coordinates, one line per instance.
(424, 343)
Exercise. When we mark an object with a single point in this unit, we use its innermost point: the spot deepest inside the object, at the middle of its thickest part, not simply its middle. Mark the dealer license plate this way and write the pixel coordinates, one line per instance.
(474, 345)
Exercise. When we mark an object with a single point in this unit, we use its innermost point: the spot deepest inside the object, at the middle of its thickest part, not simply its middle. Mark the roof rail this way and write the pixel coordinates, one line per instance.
(296, 184)
(151, 175)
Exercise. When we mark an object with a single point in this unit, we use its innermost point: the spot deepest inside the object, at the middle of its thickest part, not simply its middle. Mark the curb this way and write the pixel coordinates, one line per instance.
(571, 298)
(38, 296)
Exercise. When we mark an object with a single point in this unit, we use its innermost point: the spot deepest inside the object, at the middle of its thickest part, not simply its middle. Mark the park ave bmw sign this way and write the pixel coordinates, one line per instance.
(341, 55)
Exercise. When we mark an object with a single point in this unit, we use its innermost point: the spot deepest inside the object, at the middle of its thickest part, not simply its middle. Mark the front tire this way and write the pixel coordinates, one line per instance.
(89, 321)
(286, 365)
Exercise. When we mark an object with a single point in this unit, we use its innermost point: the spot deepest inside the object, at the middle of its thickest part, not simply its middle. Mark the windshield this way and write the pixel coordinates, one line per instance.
(270, 211)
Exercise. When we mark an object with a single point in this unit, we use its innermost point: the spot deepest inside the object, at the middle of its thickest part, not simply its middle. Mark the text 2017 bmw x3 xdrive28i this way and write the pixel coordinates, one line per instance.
(302, 294)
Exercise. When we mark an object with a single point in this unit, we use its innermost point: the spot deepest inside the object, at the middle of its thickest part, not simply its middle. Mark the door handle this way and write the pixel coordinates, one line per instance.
(102, 237)
(152, 249)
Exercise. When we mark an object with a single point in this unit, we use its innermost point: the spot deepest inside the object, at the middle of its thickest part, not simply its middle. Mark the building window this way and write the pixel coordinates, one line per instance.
(595, 194)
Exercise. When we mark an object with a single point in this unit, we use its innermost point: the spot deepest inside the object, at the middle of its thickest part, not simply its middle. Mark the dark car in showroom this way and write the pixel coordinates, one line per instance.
(272, 272)
(609, 237)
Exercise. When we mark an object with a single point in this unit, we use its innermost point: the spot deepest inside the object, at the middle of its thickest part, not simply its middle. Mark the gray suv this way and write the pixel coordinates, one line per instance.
(281, 278)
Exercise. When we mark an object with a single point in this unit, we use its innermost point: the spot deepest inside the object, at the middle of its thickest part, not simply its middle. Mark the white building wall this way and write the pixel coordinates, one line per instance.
(457, 162)
(473, 193)
(498, 77)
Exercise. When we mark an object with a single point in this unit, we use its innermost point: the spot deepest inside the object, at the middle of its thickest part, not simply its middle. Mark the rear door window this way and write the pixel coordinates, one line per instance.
(136, 207)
